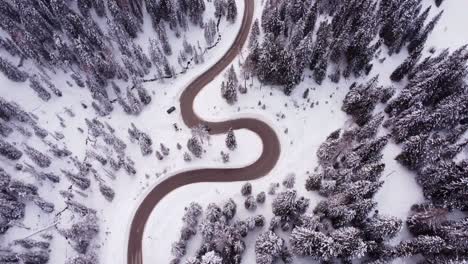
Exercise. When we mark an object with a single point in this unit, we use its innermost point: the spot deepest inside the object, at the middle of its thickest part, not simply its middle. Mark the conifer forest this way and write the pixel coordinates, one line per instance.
(233, 131)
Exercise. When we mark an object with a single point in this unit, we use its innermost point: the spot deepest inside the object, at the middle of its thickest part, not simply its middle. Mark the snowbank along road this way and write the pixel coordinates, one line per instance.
(266, 162)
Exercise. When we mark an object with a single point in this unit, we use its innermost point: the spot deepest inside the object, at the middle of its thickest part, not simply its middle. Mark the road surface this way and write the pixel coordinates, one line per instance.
(265, 163)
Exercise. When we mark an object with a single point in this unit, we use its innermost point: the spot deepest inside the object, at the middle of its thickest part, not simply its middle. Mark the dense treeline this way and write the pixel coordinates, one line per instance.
(57, 36)
(342, 35)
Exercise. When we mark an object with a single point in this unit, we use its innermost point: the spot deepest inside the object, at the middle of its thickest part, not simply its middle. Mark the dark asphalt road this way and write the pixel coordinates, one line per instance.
(266, 162)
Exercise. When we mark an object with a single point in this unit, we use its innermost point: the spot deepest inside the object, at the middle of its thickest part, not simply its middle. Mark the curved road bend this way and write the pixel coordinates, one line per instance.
(266, 162)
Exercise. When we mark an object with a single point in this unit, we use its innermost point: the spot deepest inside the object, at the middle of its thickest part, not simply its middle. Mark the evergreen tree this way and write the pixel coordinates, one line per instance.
(406, 66)
(269, 247)
(231, 142)
(37, 157)
(9, 151)
(210, 32)
(231, 10)
(229, 92)
(194, 146)
(246, 189)
(39, 89)
(305, 242)
(12, 72)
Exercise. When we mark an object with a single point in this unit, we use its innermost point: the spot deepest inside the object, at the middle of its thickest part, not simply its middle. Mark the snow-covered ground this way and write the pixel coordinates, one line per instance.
(301, 129)
(116, 216)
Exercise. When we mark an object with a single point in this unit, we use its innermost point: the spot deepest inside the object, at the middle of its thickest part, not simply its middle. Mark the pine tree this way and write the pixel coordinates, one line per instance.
(348, 244)
(406, 66)
(422, 36)
(211, 257)
(11, 72)
(250, 203)
(283, 204)
(210, 32)
(421, 244)
(231, 11)
(438, 2)
(229, 209)
(39, 89)
(231, 142)
(261, 196)
(246, 189)
(381, 228)
(187, 157)
(289, 180)
(269, 247)
(305, 242)
(9, 151)
(37, 157)
(220, 8)
(143, 94)
(194, 146)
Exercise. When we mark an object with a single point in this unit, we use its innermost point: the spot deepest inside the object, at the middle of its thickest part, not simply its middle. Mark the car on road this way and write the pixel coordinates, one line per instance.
(170, 110)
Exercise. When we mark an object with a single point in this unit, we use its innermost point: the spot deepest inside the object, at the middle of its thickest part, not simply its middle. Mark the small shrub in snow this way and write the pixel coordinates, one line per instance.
(224, 157)
(250, 203)
(246, 189)
(187, 157)
(159, 156)
(261, 197)
(107, 192)
(272, 188)
(164, 150)
(289, 180)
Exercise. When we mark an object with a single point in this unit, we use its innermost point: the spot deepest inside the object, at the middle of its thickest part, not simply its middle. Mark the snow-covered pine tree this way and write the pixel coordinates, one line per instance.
(231, 11)
(37, 157)
(231, 142)
(9, 151)
(246, 189)
(12, 72)
(195, 147)
(210, 32)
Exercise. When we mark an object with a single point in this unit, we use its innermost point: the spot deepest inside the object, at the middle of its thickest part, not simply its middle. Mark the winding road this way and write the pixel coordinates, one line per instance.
(260, 168)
